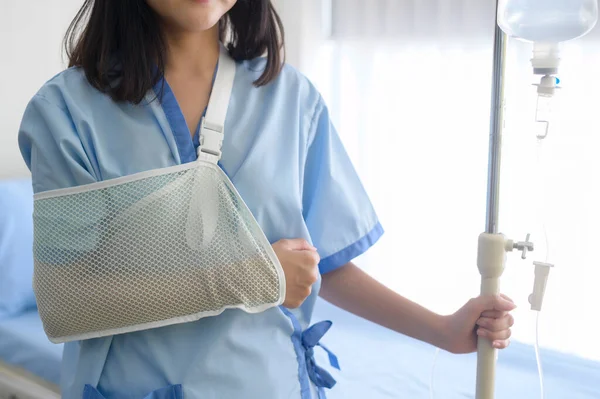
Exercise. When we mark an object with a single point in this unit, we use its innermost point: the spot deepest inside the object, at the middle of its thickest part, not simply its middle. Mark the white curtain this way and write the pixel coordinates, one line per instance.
(408, 83)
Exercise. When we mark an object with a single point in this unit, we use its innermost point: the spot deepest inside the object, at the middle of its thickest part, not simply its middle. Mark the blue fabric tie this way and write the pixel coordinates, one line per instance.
(310, 338)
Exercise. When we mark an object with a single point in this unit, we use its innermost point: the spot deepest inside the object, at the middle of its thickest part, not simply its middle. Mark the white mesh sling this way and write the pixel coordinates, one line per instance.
(156, 248)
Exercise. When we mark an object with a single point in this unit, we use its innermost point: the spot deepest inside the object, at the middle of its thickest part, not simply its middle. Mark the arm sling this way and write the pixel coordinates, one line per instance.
(155, 248)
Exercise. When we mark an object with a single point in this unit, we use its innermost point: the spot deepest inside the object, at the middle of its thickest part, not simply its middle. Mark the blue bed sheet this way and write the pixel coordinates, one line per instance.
(23, 344)
(377, 363)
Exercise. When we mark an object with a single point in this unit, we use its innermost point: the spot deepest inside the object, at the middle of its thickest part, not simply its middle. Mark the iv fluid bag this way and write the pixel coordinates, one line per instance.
(547, 21)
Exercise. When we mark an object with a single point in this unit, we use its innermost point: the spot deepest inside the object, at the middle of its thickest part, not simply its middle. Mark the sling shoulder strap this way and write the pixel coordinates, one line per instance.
(212, 127)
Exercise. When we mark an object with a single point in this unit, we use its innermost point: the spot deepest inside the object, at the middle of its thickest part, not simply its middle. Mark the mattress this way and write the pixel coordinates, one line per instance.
(24, 345)
(377, 363)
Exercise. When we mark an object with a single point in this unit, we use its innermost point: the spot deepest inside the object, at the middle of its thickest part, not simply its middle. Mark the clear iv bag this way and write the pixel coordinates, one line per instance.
(547, 21)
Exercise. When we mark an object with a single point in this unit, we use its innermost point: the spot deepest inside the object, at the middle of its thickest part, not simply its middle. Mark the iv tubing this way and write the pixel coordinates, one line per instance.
(542, 215)
(542, 194)
(431, 378)
(537, 354)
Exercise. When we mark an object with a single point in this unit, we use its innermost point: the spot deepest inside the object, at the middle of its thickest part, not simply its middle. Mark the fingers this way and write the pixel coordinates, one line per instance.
(496, 324)
(496, 330)
(494, 336)
(494, 314)
(312, 258)
(495, 321)
(299, 261)
(507, 298)
(495, 302)
(502, 304)
(501, 344)
(311, 277)
(314, 269)
(297, 301)
(297, 244)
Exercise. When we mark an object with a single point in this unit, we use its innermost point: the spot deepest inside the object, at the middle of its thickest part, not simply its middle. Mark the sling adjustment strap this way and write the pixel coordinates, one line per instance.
(212, 127)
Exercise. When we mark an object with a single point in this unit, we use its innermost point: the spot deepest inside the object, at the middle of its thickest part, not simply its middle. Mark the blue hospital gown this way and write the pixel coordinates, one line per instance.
(287, 162)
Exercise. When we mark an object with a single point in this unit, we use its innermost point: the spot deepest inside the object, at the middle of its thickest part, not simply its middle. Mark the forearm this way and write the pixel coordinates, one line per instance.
(355, 291)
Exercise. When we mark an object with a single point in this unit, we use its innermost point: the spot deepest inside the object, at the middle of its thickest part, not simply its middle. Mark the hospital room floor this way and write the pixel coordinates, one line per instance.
(376, 363)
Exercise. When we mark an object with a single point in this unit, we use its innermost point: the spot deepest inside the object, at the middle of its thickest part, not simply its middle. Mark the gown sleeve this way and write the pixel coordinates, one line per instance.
(51, 147)
(55, 155)
(338, 213)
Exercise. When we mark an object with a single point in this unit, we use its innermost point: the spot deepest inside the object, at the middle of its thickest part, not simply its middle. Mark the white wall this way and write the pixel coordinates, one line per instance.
(303, 25)
(30, 53)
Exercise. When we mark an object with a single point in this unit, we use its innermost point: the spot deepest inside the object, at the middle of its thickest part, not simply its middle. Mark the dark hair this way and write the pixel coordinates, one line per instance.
(121, 48)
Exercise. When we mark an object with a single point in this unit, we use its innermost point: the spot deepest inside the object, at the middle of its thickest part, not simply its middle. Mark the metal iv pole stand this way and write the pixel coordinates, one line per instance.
(492, 246)
(496, 125)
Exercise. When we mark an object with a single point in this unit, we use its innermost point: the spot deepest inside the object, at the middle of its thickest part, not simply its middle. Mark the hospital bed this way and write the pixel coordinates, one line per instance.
(376, 363)
(29, 363)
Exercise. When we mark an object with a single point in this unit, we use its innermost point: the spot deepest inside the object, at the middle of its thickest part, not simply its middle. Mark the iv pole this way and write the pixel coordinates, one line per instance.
(496, 125)
(493, 246)
(490, 279)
